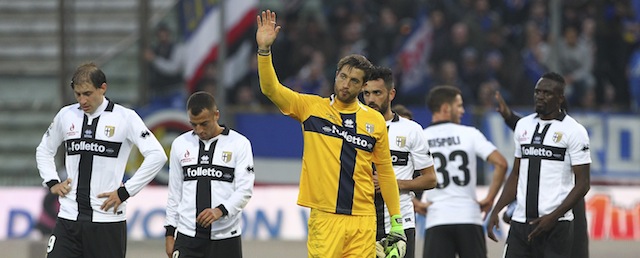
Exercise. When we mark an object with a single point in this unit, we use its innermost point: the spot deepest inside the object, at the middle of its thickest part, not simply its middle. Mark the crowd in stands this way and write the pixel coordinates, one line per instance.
(479, 46)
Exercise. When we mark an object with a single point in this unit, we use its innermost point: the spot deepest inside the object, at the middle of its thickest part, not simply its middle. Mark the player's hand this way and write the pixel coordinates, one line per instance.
(381, 246)
(485, 207)
(502, 108)
(267, 29)
(396, 233)
(62, 189)
(420, 207)
(208, 216)
(376, 185)
(113, 200)
(543, 224)
(493, 222)
(169, 241)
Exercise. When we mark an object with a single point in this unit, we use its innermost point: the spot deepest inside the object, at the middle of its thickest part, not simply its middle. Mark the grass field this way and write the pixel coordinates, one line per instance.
(273, 249)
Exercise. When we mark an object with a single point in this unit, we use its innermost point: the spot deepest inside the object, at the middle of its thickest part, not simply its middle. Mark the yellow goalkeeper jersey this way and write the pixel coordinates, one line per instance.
(341, 141)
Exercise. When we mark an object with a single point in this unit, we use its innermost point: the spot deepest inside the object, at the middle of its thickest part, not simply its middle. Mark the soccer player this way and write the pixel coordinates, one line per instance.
(580, 247)
(454, 219)
(409, 152)
(210, 181)
(550, 175)
(98, 135)
(342, 138)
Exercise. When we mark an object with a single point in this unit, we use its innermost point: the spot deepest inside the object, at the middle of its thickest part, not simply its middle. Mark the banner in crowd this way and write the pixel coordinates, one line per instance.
(613, 213)
(200, 24)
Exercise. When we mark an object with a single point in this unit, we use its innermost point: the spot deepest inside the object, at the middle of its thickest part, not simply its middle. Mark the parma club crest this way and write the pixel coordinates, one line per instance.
(226, 156)
(401, 141)
(109, 130)
(557, 137)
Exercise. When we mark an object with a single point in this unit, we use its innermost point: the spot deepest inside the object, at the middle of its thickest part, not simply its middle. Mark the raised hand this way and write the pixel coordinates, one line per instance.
(267, 29)
(502, 108)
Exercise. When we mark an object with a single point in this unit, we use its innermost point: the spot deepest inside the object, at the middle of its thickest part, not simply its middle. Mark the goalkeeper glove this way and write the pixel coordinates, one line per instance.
(396, 241)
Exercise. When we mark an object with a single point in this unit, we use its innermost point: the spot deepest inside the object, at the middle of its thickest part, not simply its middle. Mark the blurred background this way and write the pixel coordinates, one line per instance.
(157, 52)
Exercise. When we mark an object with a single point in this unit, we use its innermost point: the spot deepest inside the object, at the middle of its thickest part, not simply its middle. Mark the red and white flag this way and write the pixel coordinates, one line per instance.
(200, 22)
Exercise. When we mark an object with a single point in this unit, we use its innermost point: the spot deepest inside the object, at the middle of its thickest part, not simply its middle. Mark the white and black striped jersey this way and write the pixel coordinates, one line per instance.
(409, 152)
(209, 174)
(97, 148)
(547, 149)
(454, 148)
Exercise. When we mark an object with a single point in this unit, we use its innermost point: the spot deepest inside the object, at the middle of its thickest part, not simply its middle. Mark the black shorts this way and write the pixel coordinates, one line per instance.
(580, 245)
(555, 243)
(72, 239)
(445, 241)
(191, 247)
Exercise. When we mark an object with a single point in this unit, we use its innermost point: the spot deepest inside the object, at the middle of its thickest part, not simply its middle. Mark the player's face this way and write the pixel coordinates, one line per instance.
(457, 110)
(547, 98)
(348, 84)
(376, 95)
(205, 124)
(88, 96)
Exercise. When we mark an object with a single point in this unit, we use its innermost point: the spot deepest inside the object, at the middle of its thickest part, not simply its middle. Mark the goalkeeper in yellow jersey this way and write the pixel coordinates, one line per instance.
(342, 138)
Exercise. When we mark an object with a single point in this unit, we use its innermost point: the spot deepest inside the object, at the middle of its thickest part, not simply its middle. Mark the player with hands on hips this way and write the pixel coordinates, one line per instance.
(98, 136)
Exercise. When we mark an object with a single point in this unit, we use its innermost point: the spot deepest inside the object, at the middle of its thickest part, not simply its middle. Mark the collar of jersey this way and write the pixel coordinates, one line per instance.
(100, 109)
(344, 107)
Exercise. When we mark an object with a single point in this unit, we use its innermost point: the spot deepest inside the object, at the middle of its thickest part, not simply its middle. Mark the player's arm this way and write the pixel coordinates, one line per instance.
(174, 198)
(499, 171)
(508, 195)
(154, 157)
(45, 154)
(244, 179)
(425, 181)
(510, 118)
(288, 101)
(422, 162)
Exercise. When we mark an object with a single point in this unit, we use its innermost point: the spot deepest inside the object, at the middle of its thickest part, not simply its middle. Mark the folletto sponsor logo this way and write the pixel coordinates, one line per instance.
(85, 146)
(540, 151)
(357, 140)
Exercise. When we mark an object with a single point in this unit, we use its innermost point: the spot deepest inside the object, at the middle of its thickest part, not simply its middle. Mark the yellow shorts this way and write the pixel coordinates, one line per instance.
(339, 235)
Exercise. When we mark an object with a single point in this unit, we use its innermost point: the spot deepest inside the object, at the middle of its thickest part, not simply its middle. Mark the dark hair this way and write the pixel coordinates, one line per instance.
(199, 101)
(556, 78)
(384, 73)
(402, 111)
(441, 95)
(358, 62)
(88, 73)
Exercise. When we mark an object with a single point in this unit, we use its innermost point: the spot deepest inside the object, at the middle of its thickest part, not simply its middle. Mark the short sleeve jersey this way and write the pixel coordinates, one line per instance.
(454, 148)
(409, 152)
(547, 150)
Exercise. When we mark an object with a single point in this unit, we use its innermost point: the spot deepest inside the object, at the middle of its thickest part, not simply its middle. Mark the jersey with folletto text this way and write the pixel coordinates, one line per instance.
(207, 174)
(339, 148)
(409, 152)
(97, 148)
(454, 148)
(547, 150)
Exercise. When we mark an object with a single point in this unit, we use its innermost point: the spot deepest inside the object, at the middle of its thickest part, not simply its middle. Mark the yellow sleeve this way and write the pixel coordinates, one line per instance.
(386, 176)
(289, 102)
